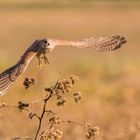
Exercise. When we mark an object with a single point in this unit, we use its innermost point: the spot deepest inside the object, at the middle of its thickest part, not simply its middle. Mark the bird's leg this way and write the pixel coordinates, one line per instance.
(39, 61)
(39, 57)
(45, 58)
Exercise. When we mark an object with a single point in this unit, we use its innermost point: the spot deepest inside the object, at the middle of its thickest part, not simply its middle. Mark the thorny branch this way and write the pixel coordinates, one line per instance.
(61, 88)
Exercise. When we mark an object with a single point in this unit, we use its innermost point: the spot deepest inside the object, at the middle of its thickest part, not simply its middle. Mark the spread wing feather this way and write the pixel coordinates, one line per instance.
(102, 43)
(9, 76)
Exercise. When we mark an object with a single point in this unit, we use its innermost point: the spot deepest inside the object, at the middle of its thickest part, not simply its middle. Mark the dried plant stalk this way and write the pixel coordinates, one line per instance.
(61, 88)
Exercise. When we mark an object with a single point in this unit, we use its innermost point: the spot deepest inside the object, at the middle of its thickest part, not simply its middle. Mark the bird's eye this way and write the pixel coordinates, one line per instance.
(45, 41)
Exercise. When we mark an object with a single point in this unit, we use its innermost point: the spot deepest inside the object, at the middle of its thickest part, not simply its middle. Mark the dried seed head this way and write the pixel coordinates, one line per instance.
(88, 135)
(22, 105)
(74, 79)
(55, 120)
(28, 82)
(66, 85)
(68, 89)
(26, 79)
(63, 81)
(58, 91)
(33, 80)
(91, 131)
(61, 101)
(77, 97)
(52, 134)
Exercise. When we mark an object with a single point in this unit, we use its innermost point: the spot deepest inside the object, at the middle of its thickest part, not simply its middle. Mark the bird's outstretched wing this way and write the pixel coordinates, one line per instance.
(9, 76)
(97, 44)
(104, 44)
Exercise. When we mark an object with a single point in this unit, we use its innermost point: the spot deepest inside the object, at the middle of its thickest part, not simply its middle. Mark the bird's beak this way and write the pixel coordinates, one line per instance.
(47, 44)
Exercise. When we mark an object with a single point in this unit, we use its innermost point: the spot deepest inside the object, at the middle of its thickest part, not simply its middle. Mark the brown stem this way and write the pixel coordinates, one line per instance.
(42, 114)
(74, 123)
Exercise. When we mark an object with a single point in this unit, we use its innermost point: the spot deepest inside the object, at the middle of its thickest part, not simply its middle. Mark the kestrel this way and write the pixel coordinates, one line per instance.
(10, 75)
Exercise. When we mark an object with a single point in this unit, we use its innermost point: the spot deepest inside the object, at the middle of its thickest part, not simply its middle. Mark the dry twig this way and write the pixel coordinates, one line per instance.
(61, 88)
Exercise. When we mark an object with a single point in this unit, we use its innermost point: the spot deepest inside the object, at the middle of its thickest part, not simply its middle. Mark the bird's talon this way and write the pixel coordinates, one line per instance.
(39, 57)
(46, 59)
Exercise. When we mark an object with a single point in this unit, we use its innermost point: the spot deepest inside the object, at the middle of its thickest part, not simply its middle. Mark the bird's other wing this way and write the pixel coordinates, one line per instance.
(9, 76)
(97, 44)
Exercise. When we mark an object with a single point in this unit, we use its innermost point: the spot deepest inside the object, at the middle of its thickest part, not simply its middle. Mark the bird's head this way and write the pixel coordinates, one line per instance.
(42, 45)
(50, 45)
(38, 45)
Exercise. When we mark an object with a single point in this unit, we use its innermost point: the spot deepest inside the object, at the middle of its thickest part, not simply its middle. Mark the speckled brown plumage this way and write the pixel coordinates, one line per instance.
(9, 76)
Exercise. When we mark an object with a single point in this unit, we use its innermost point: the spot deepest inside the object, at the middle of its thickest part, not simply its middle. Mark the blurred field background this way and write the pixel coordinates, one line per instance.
(109, 81)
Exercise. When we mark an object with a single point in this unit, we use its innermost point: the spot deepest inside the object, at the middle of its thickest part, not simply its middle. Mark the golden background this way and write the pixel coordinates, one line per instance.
(109, 81)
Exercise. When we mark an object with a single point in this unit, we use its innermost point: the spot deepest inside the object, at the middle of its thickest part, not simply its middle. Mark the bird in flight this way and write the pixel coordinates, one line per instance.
(43, 46)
